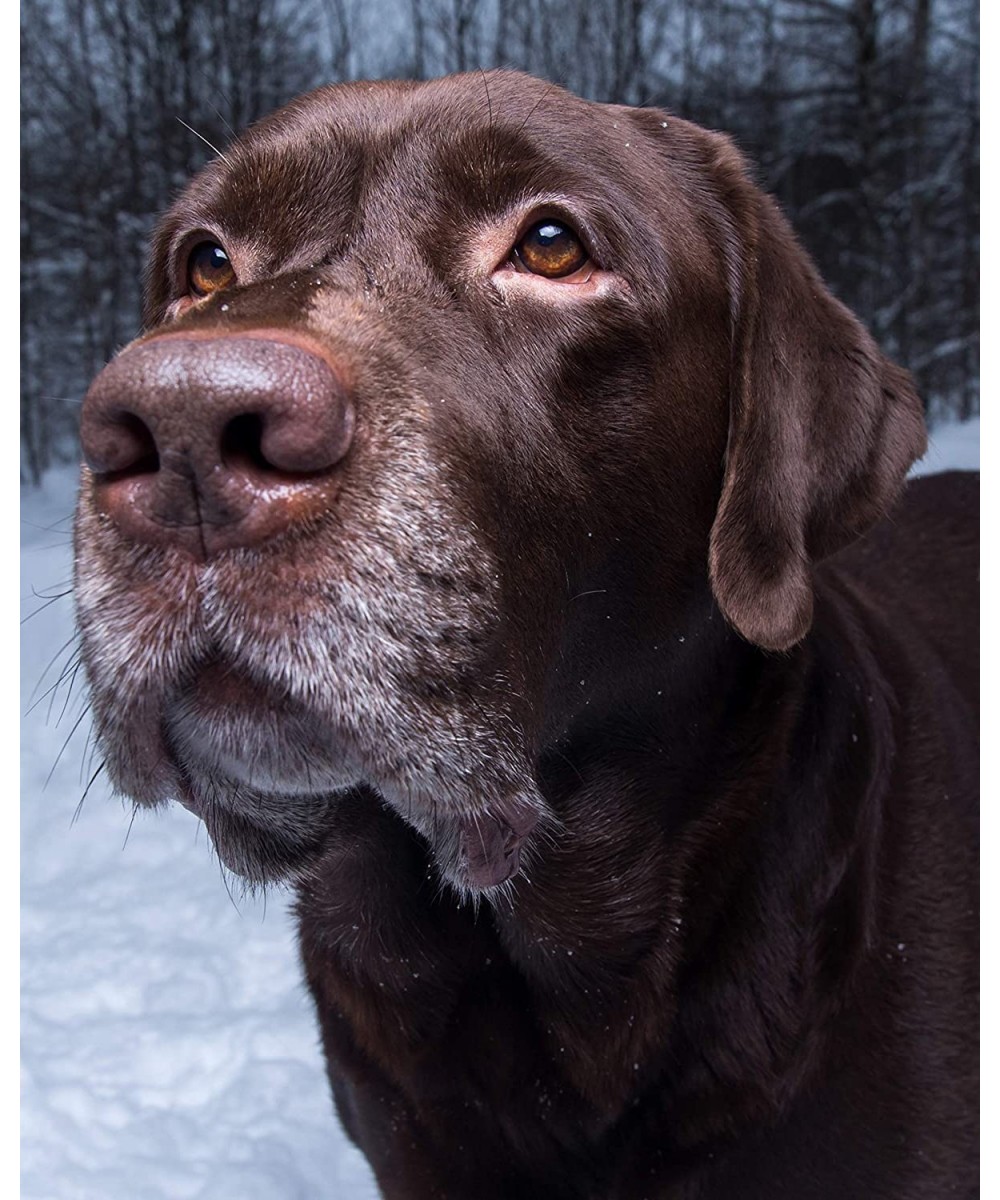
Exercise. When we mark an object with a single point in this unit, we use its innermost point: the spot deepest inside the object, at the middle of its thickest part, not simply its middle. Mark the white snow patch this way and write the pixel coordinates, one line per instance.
(953, 447)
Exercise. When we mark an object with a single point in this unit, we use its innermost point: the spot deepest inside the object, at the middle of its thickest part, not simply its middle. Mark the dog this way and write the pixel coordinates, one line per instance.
(499, 532)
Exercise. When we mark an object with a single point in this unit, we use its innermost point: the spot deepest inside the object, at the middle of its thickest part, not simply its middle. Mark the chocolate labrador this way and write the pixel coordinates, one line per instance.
(486, 535)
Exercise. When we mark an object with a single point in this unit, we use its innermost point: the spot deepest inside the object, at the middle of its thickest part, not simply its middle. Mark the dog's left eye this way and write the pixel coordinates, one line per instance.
(551, 248)
(209, 269)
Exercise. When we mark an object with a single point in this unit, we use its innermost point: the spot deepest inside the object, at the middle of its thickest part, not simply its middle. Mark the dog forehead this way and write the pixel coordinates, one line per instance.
(479, 141)
(434, 112)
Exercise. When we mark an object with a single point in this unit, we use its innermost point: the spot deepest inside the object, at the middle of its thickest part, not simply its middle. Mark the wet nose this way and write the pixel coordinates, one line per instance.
(216, 442)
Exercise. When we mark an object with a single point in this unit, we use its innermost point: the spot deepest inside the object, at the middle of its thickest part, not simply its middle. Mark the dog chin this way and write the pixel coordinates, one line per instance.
(267, 836)
(262, 836)
(265, 776)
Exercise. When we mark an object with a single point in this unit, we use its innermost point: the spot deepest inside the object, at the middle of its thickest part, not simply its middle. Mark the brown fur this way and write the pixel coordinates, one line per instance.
(585, 587)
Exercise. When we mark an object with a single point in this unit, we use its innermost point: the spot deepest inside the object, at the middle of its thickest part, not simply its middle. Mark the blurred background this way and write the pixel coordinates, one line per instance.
(862, 116)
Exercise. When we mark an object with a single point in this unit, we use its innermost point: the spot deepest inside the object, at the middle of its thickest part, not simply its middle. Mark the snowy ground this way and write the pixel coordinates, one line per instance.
(168, 1049)
(952, 446)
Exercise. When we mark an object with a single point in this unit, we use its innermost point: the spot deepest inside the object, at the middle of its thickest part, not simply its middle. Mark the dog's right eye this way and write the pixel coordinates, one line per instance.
(550, 248)
(209, 269)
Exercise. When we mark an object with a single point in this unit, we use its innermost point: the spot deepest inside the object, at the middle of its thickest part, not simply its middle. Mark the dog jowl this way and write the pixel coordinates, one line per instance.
(471, 538)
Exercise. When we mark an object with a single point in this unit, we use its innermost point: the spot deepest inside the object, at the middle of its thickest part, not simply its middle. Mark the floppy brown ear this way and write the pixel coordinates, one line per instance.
(822, 426)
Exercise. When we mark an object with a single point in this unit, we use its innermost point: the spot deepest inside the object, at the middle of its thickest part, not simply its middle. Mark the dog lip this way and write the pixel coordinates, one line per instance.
(236, 730)
(490, 846)
(225, 782)
(222, 685)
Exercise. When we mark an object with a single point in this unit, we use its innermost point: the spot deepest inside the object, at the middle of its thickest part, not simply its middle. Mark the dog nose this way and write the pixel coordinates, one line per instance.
(211, 443)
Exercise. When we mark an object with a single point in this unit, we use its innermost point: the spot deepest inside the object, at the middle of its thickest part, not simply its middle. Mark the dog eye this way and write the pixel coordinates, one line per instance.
(209, 269)
(551, 249)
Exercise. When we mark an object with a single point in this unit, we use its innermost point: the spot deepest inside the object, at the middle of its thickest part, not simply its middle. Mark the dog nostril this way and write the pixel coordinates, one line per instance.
(126, 447)
(241, 443)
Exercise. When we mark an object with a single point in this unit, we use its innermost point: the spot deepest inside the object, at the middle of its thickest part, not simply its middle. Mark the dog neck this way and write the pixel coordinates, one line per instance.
(712, 836)
(699, 916)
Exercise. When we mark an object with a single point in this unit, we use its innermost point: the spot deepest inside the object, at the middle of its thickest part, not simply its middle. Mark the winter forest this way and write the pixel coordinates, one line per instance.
(861, 115)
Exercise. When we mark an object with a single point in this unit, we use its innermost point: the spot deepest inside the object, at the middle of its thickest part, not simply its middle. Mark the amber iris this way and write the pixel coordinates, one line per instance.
(209, 269)
(552, 249)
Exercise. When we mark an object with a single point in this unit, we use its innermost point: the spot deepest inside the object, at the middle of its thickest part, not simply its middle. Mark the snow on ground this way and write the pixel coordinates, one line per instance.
(168, 1048)
(952, 447)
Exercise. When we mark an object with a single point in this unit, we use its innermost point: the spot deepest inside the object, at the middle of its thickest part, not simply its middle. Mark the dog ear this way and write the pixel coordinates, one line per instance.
(822, 427)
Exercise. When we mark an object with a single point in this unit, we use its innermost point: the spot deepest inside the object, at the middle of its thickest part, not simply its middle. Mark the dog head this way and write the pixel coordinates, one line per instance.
(451, 398)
